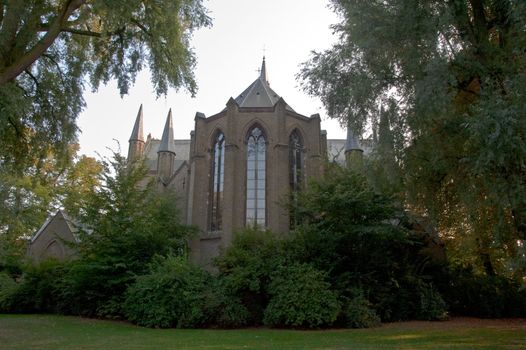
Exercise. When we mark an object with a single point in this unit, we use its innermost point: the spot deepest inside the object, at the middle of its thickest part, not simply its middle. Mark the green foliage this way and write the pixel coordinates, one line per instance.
(175, 293)
(49, 51)
(246, 267)
(450, 77)
(34, 189)
(432, 305)
(124, 225)
(38, 289)
(170, 295)
(81, 179)
(48, 47)
(343, 201)
(8, 288)
(11, 254)
(358, 313)
(300, 297)
(474, 294)
(225, 308)
(356, 235)
(346, 227)
(382, 166)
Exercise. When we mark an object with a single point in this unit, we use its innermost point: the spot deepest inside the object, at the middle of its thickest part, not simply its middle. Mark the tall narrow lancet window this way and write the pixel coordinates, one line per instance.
(295, 161)
(295, 173)
(218, 176)
(256, 175)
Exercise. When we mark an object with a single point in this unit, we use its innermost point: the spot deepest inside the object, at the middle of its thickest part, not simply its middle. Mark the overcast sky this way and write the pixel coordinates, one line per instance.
(229, 55)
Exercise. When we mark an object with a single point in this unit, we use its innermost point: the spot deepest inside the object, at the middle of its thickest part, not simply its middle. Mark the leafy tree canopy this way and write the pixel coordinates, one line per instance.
(122, 225)
(365, 244)
(51, 49)
(451, 76)
(28, 197)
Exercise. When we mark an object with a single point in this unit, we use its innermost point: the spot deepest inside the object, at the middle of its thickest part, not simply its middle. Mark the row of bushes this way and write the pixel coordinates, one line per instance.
(352, 261)
(176, 294)
(259, 281)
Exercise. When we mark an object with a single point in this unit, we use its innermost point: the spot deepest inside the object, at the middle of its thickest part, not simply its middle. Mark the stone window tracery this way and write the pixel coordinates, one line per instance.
(256, 178)
(218, 175)
(295, 161)
(295, 173)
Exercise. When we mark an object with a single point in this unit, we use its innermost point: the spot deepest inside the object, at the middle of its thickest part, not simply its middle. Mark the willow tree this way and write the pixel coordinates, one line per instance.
(456, 72)
(51, 50)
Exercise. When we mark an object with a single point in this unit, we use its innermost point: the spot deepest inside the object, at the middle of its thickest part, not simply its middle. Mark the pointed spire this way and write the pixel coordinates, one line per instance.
(352, 142)
(167, 141)
(137, 133)
(353, 151)
(263, 72)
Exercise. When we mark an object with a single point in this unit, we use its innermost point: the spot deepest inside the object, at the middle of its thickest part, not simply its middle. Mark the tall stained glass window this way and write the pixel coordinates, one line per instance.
(295, 161)
(295, 173)
(218, 175)
(256, 176)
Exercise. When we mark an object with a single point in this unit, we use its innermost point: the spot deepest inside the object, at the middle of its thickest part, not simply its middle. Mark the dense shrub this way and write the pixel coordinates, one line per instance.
(12, 254)
(222, 308)
(472, 294)
(351, 261)
(300, 297)
(432, 306)
(231, 313)
(8, 288)
(125, 223)
(94, 286)
(39, 287)
(246, 266)
(170, 295)
(358, 236)
(358, 313)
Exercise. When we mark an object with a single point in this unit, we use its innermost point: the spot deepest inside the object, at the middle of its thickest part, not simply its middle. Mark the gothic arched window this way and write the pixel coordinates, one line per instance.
(218, 175)
(256, 176)
(295, 161)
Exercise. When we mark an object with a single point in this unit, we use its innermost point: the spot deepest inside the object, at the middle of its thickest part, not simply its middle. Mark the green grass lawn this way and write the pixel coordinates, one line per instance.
(60, 332)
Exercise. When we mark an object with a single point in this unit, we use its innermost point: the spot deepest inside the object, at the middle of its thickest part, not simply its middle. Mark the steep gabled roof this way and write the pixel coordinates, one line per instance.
(259, 94)
(58, 216)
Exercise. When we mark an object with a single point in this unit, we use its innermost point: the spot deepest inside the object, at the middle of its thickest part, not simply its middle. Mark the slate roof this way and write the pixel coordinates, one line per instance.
(259, 94)
(167, 141)
(137, 133)
(182, 151)
(352, 142)
(61, 214)
(335, 151)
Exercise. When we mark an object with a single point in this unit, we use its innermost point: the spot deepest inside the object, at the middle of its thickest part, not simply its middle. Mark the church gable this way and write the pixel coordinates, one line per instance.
(240, 165)
(53, 239)
(240, 178)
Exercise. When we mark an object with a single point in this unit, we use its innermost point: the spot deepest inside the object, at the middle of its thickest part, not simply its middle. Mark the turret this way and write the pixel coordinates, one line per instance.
(166, 152)
(353, 151)
(136, 142)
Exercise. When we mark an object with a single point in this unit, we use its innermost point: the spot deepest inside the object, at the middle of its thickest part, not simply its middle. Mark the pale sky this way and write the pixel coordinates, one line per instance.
(228, 54)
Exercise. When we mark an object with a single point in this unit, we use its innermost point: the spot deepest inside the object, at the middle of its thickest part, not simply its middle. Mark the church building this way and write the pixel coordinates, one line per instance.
(240, 164)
